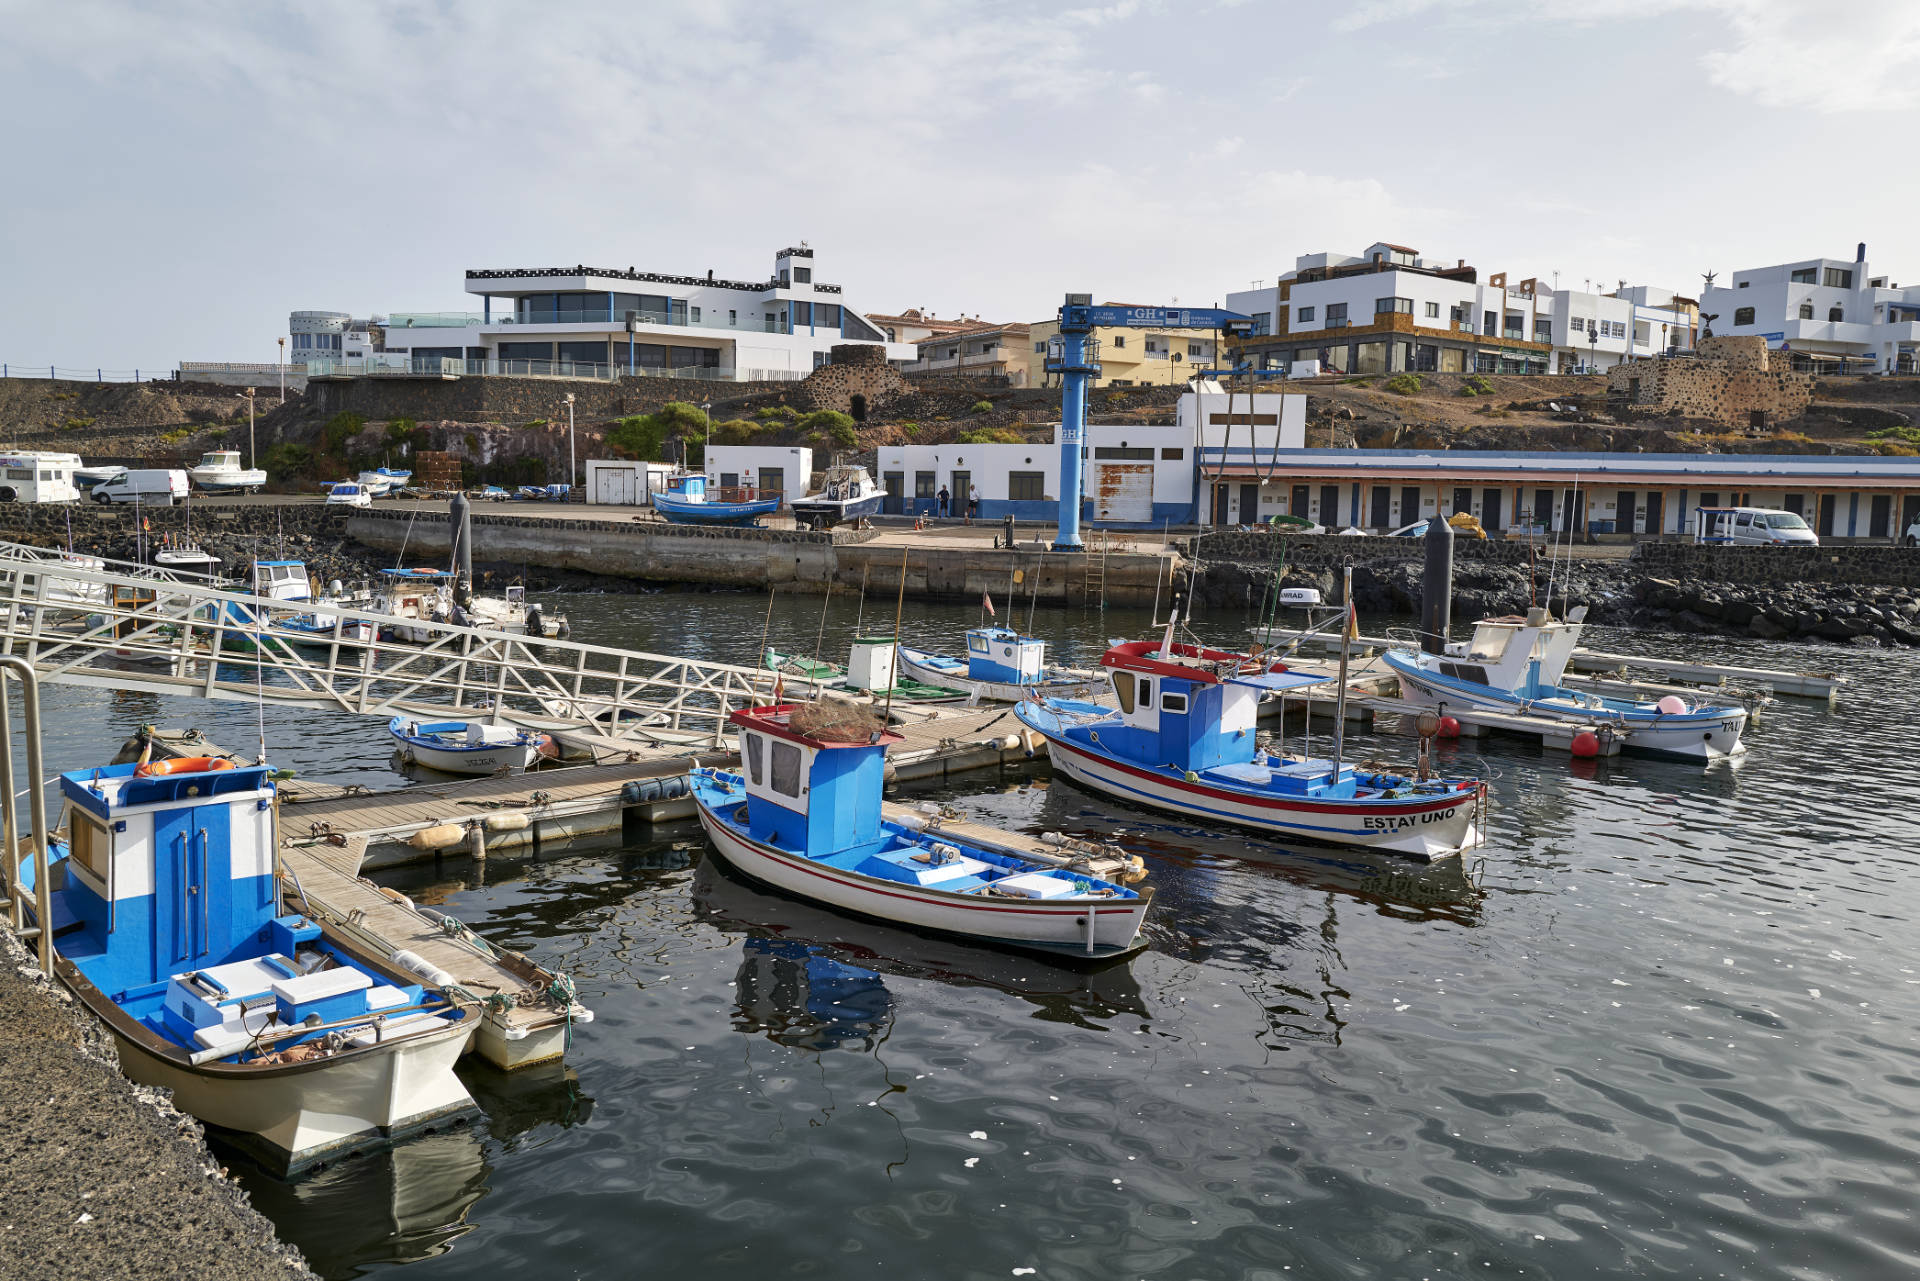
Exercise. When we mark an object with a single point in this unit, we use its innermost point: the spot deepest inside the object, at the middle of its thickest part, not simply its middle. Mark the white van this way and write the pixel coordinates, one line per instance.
(1751, 527)
(31, 477)
(155, 486)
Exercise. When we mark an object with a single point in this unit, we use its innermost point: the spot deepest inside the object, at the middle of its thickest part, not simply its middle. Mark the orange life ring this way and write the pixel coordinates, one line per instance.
(185, 765)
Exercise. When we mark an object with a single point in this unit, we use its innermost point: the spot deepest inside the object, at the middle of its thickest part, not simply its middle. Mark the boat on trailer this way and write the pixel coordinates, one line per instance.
(686, 501)
(219, 472)
(846, 494)
(1184, 739)
(464, 747)
(804, 816)
(1001, 665)
(167, 925)
(1515, 664)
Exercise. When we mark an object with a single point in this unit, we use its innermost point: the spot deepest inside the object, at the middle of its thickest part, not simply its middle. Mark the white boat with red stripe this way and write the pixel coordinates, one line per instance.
(1183, 739)
(804, 816)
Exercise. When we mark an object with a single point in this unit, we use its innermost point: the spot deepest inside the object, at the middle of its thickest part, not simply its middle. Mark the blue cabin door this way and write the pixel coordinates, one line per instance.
(191, 904)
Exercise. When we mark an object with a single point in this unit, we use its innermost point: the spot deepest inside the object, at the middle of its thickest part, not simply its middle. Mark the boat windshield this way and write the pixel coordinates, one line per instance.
(1490, 643)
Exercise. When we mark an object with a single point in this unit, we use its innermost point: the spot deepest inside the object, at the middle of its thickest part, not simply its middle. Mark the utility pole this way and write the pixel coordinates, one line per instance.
(282, 362)
(251, 455)
(570, 442)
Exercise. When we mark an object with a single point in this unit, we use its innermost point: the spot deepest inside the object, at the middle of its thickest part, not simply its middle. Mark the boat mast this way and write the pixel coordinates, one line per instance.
(1346, 645)
(899, 604)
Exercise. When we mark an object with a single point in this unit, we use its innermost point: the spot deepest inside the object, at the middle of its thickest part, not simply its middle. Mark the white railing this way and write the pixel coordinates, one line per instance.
(123, 631)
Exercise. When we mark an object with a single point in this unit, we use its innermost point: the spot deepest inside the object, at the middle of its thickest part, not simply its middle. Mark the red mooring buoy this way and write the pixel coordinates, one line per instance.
(1586, 743)
(1449, 727)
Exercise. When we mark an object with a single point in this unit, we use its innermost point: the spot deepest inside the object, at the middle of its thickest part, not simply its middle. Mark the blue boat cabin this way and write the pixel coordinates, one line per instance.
(1004, 656)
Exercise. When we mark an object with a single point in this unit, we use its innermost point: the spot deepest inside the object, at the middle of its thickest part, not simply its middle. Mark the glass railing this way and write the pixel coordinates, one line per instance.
(433, 319)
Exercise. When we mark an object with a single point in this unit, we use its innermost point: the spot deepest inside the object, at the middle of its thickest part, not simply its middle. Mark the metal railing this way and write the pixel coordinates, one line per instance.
(40, 933)
(197, 640)
(91, 374)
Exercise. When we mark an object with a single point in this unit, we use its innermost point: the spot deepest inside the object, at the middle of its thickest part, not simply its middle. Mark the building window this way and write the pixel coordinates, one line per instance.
(1743, 315)
(1119, 341)
(1122, 451)
(1152, 346)
(1306, 314)
(1262, 322)
(1806, 311)
(1172, 455)
(1196, 349)
(1039, 349)
(1837, 278)
(923, 485)
(1403, 306)
(1336, 311)
(733, 318)
(1026, 486)
(1542, 329)
(1742, 284)
(803, 275)
(1433, 311)
(1836, 313)
(1489, 323)
(1805, 276)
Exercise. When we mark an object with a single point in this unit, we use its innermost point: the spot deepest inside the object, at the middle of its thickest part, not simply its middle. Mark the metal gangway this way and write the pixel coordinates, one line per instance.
(126, 628)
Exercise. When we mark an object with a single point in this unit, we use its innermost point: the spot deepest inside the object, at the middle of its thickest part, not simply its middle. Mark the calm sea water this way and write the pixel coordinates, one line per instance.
(1664, 1027)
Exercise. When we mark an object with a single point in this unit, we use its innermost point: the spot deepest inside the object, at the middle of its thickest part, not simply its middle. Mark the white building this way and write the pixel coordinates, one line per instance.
(599, 321)
(1830, 313)
(771, 469)
(981, 349)
(1389, 310)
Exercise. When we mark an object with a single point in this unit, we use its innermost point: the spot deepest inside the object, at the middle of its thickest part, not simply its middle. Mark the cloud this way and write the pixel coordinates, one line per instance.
(1865, 58)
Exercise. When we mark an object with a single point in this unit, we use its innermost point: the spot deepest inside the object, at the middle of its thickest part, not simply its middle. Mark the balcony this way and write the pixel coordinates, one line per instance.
(1337, 322)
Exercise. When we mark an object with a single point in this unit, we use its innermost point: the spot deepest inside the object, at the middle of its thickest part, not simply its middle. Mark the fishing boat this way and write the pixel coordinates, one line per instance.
(1516, 663)
(88, 477)
(219, 472)
(871, 669)
(382, 481)
(805, 676)
(685, 501)
(464, 747)
(845, 494)
(1001, 665)
(282, 580)
(322, 631)
(168, 927)
(1183, 739)
(805, 817)
(186, 557)
(512, 613)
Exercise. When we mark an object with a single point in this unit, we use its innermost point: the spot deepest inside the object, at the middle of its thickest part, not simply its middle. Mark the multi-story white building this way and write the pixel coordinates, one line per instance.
(604, 321)
(1828, 312)
(1389, 310)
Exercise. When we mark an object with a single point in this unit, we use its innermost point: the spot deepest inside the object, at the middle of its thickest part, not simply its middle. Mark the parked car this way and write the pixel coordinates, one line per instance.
(143, 485)
(1913, 533)
(1751, 527)
(349, 494)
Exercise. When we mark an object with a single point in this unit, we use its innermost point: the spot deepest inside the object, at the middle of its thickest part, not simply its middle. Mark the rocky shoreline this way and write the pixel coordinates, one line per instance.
(1616, 593)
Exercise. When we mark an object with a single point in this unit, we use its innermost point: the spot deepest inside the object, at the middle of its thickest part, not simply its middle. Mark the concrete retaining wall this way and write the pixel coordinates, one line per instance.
(1871, 564)
(506, 399)
(1330, 551)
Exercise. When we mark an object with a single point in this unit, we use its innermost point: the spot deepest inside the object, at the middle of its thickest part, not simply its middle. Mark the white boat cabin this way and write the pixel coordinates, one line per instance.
(281, 580)
(1004, 656)
(870, 663)
(1525, 656)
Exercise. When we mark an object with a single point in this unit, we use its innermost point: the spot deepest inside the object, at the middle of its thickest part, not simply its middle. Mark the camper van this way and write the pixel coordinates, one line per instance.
(38, 478)
(1751, 527)
(154, 486)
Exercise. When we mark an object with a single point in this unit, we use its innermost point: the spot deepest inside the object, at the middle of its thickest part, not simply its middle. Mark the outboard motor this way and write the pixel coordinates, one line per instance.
(536, 625)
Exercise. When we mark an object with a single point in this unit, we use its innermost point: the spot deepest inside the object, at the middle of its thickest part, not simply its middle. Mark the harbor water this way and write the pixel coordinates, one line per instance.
(1662, 1024)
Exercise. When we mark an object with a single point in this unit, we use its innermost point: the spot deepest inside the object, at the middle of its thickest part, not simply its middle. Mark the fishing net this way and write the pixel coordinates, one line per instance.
(834, 721)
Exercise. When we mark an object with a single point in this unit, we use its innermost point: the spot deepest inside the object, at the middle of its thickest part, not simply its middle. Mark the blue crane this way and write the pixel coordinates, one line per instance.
(1076, 367)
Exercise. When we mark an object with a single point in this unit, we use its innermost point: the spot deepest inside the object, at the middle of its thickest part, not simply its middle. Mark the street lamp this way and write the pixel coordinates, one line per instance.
(569, 440)
(282, 364)
(1593, 346)
(250, 450)
(706, 430)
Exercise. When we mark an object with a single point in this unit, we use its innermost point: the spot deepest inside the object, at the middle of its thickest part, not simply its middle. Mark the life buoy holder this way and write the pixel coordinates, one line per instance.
(184, 765)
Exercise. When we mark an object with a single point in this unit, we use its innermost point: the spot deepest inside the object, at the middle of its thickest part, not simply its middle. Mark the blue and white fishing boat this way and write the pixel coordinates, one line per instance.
(1001, 665)
(685, 501)
(1516, 664)
(1183, 739)
(846, 494)
(805, 817)
(465, 747)
(383, 481)
(168, 927)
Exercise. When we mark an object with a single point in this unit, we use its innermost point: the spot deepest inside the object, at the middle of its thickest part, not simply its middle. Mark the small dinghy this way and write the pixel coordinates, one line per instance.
(804, 676)
(167, 926)
(1183, 739)
(1001, 665)
(1515, 664)
(805, 817)
(464, 747)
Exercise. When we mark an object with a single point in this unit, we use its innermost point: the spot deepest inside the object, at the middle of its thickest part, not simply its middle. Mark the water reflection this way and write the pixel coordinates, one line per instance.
(798, 996)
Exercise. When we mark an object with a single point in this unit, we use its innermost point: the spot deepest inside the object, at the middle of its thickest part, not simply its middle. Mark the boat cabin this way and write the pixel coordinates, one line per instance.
(870, 663)
(845, 485)
(281, 580)
(1189, 708)
(806, 793)
(1525, 656)
(1003, 655)
(690, 488)
(219, 460)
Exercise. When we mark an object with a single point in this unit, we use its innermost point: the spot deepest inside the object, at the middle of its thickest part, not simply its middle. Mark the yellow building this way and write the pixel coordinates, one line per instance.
(1129, 357)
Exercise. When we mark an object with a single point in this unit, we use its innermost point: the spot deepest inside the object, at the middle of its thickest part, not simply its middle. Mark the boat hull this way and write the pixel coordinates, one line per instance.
(704, 513)
(1050, 926)
(490, 759)
(834, 512)
(913, 665)
(1427, 829)
(227, 482)
(290, 1120)
(1696, 736)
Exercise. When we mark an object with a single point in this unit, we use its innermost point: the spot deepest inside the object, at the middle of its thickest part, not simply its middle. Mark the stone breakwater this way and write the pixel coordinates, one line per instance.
(1859, 595)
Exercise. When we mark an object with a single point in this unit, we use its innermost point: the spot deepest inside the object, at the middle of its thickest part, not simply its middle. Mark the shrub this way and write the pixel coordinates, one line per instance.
(1475, 385)
(1403, 384)
(639, 436)
(1894, 449)
(776, 411)
(990, 436)
(75, 424)
(177, 435)
(401, 429)
(339, 429)
(833, 425)
(1903, 432)
(1357, 382)
(981, 407)
(909, 429)
(737, 431)
(286, 460)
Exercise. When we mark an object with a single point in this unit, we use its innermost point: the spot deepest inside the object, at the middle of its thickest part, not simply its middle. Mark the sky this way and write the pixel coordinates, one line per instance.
(185, 174)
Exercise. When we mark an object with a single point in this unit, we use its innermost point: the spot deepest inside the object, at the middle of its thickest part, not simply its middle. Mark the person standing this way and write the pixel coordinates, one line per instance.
(973, 502)
(942, 499)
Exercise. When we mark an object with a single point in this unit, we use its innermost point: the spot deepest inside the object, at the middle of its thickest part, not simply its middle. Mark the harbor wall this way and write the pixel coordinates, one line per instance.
(1848, 563)
(1330, 551)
